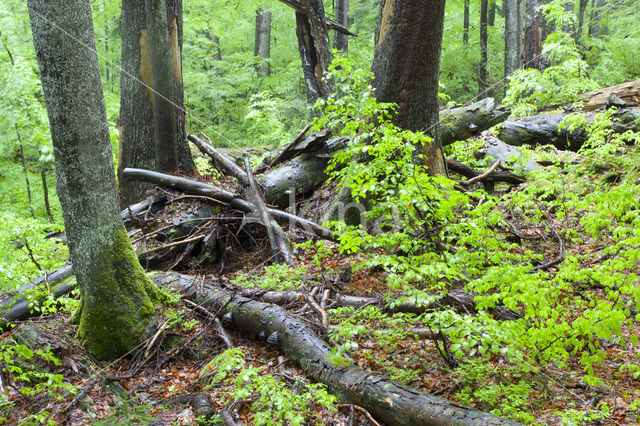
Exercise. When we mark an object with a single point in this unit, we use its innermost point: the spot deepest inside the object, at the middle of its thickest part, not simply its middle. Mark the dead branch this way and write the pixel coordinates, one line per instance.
(219, 327)
(482, 176)
(224, 196)
(389, 401)
(497, 176)
(222, 163)
(324, 317)
(279, 243)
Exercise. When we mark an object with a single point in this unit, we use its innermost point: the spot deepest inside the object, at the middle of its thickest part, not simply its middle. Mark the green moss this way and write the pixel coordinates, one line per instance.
(117, 303)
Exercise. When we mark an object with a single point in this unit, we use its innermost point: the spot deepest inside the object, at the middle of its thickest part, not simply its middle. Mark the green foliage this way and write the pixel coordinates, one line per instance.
(437, 238)
(219, 367)
(275, 277)
(276, 403)
(20, 364)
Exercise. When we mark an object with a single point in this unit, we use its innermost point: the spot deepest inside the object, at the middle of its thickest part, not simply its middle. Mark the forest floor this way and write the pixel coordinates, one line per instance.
(190, 358)
(140, 389)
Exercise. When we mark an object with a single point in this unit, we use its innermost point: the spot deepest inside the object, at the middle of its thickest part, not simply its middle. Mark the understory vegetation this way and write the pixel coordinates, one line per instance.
(529, 295)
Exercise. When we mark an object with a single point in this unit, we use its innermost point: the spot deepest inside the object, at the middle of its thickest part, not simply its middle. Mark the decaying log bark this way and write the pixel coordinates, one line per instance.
(496, 176)
(459, 123)
(629, 92)
(226, 197)
(391, 402)
(298, 146)
(543, 129)
(222, 163)
(279, 243)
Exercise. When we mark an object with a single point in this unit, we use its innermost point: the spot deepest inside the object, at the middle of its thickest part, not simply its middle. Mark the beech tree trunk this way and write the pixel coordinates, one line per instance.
(482, 69)
(411, 80)
(315, 50)
(341, 40)
(175, 27)
(465, 24)
(543, 129)
(152, 125)
(137, 143)
(262, 44)
(116, 295)
(510, 36)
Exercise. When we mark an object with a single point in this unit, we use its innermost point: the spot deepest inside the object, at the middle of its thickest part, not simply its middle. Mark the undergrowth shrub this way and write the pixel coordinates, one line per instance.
(437, 239)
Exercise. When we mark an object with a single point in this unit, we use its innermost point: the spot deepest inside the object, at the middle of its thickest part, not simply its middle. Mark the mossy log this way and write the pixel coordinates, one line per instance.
(543, 129)
(389, 401)
(459, 123)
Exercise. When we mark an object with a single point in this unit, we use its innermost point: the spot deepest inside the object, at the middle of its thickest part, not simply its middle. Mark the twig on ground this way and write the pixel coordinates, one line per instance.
(362, 410)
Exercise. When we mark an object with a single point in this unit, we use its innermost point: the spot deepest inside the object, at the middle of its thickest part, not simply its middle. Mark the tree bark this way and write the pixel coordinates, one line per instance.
(315, 50)
(411, 80)
(341, 40)
(465, 23)
(482, 69)
(582, 8)
(137, 144)
(175, 27)
(390, 402)
(262, 43)
(519, 33)
(491, 19)
(534, 35)
(628, 92)
(596, 15)
(542, 129)
(116, 295)
(510, 37)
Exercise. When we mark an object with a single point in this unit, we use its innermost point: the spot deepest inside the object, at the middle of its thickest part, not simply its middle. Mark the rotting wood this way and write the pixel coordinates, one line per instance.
(280, 246)
(228, 198)
(496, 176)
(222, 163)
(628, 92)
(388, 401)
(544, 129)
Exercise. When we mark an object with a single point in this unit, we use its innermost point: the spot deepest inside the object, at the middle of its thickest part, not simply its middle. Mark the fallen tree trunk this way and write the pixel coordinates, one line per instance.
(391, 402)
(303, 175)
(459, 123)
(628, 92)
(543, 129)
(226, 197)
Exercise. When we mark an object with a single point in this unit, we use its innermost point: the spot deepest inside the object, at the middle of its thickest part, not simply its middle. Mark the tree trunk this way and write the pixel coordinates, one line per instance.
(175, 26)
(519, 33)
(534, 35)
(116, 296)
(482, 69)
(465, 24)
(390, 402)
(214, 49)
(596, 15)
(491, 19)
(543, 129)
(582, 8)
(262, 44)
(411, 80)
(341, 40)
(510, 36)
(137, 144)
(315, 50)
